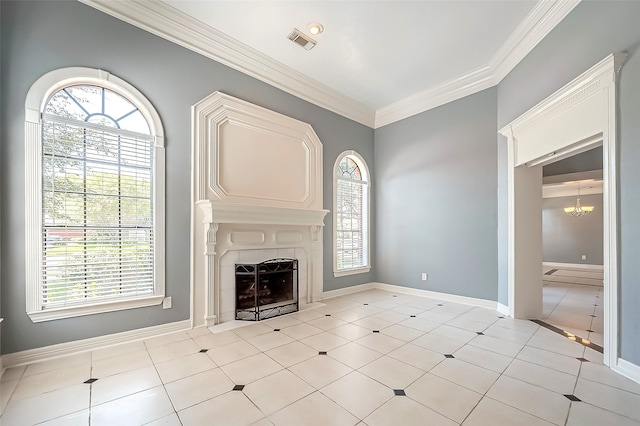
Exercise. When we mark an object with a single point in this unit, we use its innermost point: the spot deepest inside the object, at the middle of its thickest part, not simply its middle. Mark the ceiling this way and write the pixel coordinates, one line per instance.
(376, 61)
(573, 188)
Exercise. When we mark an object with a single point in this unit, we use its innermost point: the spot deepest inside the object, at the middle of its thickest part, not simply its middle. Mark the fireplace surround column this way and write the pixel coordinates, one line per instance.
(210, 231)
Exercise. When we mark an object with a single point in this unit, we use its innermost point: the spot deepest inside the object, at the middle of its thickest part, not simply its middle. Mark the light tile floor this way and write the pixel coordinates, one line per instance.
(371, 358)
(573, 300)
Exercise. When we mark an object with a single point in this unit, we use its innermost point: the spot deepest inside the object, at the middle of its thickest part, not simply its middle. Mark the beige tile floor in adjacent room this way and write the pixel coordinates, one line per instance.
(371, 358)
(573, 300)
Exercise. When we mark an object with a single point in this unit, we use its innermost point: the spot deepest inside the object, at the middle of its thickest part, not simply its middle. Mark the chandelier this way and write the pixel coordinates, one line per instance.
(578, 210)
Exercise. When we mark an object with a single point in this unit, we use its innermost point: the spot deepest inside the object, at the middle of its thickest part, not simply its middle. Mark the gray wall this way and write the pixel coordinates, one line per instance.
(435, 191)
(583, 162)
(38, 37)
(588, 34)
(566, 238)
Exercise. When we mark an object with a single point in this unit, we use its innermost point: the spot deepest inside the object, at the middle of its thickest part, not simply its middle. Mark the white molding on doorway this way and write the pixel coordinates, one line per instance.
(571, 120)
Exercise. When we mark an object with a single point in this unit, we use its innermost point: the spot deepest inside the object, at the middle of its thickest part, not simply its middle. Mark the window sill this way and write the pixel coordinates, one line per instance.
(345, 272)
(97, 308)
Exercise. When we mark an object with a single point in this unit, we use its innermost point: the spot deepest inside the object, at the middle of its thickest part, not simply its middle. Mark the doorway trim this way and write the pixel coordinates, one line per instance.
(578, 117)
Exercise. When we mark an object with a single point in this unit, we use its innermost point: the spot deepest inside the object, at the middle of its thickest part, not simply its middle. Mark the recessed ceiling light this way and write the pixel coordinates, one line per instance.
(315, 28)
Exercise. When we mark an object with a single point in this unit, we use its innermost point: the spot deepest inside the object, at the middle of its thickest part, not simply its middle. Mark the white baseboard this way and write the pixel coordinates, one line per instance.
(482, 303)
(347, 290)
(68, 348)
(629, 370)
(573, 266)
(503, 309)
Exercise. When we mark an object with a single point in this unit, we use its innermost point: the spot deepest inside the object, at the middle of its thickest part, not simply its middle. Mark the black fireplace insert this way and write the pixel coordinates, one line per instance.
(265, 290)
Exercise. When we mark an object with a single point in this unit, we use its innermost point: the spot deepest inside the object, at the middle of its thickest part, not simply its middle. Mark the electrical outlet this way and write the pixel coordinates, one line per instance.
(425, 276)
(584, 257)
(166, 303)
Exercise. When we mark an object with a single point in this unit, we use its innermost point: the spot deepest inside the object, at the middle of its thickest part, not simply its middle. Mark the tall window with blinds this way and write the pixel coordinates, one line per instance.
(351, 215)
(97, 198)
(94, 196)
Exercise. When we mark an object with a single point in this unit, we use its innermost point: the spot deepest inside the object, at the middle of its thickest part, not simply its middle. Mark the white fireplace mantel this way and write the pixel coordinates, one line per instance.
(221, 212)
(257, 194)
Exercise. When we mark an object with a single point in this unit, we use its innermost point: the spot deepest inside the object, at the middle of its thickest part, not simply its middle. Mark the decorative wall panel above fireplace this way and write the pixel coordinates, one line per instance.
(276, 160)
(257, 194)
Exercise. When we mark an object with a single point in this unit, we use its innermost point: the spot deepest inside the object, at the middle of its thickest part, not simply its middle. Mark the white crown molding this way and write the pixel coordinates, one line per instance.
(171, 24)
(435, 96)
(538, 23)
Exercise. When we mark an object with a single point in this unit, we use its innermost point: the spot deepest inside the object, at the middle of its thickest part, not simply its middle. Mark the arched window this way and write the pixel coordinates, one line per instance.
(95, 203)
(351, 215)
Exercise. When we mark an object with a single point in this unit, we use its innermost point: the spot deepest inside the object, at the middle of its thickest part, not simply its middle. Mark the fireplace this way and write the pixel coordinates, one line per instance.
(257, 193)
(266, 289)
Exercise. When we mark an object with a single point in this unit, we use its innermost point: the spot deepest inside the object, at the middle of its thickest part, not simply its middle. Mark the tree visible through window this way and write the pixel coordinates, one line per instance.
(97, 198)
(351, 214)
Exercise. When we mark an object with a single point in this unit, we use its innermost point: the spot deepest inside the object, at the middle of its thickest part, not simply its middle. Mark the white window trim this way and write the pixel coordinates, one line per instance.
(365, 169)
(37, 97)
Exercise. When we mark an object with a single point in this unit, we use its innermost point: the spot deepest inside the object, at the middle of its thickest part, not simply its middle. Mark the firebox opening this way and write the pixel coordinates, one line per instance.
(265, 290)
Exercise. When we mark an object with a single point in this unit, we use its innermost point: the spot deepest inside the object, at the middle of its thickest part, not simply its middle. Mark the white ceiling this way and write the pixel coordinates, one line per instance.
(376, 61)
(376, 52)
(573, 188)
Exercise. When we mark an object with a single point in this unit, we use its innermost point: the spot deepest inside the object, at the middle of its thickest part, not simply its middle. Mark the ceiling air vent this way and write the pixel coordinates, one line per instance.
(303, 40)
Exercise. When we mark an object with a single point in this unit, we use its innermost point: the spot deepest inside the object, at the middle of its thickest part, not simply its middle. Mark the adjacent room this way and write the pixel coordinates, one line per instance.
(319, 213)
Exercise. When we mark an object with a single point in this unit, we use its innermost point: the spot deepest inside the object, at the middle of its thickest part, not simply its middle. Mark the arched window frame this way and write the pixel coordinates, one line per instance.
(366, 180)
(36, 100)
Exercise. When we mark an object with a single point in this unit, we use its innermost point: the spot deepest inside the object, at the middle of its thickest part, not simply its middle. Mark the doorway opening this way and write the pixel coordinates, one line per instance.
(578, 117)
(572, 247)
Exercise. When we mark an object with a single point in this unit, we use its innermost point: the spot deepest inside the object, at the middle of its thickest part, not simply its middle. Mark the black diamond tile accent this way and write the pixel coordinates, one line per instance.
(500, 317)
(573, 398)
(399, 392)
(564, 333)
(590, 331)
(203, 351)
(583, 360)
(365, 304)
(395, 295)
(322, 353)
(412, 316)
(592, 316)
(276, 329)
(238, 387)
(376, 331)
(440, 304)
(327, 315)
(89, 381)
(479, 333)
(449, 356)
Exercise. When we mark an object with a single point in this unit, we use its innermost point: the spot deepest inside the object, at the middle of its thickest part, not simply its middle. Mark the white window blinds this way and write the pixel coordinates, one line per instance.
(97, 201)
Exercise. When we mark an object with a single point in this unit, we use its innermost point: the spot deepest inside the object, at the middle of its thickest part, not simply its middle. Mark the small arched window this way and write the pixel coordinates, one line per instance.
(351, 215)
(96, 173)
